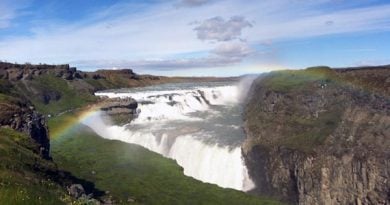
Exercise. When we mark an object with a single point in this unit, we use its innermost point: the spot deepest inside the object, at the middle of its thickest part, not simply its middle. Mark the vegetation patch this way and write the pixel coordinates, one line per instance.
(20, 180)
(65, 96)
(128, 172)
(287, 80)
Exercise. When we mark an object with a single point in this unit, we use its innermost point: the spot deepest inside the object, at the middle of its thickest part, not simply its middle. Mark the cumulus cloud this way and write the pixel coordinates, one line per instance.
(192, 3)
(233, 50)
(219, 29)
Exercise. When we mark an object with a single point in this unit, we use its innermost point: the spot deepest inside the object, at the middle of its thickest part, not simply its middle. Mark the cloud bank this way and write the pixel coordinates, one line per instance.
(158, 36)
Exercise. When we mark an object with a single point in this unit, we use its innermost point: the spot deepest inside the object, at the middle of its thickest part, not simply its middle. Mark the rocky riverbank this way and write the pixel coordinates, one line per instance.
(118, 111)
(321, 136)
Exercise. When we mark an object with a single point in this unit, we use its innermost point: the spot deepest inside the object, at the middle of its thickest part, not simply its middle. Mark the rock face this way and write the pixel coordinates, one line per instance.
(15, 72)
(24, 118)
(120, 111)
(321, 136)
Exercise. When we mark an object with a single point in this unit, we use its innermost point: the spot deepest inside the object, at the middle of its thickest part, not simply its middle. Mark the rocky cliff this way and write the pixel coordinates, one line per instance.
(321, 136)
(22, 117)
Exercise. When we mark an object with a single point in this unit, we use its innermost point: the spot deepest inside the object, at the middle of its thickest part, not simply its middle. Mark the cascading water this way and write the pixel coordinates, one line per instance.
(197, 125)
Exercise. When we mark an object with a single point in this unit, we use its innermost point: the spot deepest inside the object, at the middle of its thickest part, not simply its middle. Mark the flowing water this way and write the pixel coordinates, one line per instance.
(198, 125)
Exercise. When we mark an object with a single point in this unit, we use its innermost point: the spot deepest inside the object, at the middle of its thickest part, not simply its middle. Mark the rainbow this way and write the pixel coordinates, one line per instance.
(64, 123)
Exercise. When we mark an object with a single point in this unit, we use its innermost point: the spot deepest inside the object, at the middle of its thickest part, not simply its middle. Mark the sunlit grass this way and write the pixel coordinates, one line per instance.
(130, 171)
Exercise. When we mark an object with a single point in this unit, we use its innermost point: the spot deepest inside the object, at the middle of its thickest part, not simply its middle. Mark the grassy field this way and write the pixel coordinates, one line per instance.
(22, 173)
(128, 171)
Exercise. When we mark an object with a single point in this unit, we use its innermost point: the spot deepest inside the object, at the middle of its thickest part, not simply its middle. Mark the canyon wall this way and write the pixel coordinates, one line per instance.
(320, 136)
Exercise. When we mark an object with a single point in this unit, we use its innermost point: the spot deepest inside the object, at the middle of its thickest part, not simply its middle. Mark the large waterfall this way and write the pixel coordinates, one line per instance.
(198, 126)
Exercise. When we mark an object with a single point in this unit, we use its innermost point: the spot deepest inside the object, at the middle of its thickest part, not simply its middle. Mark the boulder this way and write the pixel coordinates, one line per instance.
(76, 190)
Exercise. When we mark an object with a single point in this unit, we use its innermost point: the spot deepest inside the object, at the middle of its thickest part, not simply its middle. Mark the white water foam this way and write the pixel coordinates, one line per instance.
(212, 163)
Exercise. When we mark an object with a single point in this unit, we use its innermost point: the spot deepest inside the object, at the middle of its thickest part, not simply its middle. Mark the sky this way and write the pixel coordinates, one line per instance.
(196, 37)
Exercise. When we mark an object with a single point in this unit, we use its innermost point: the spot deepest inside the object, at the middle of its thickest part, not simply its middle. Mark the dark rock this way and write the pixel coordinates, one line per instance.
(72, 69)
(120, 110)
(27, 76)
(15, 74)
(3, 74)
(49, 96)
(21, 117)
(77, 75)
(67, 76)
(76, 191)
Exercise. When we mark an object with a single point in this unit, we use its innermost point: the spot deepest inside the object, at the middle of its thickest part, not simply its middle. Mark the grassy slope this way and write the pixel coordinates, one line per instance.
(70, 96)
(297, 130)
(20, 180)
(127, 170)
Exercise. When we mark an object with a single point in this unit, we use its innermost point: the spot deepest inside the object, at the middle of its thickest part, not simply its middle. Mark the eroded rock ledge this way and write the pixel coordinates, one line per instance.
(22, 117)
(119, 111)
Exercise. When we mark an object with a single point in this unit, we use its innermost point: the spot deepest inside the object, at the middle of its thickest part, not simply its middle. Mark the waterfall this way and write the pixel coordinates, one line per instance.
(166, 125)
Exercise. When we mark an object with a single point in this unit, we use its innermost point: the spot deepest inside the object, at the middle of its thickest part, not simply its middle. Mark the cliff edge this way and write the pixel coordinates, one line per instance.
(320, 135)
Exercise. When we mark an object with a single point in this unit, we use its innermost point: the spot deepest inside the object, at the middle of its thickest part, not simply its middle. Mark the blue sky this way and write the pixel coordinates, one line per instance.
(196, 37)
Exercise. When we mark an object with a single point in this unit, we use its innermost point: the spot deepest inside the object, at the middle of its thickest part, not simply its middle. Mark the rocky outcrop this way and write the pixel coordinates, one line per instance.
(120, 111)
(320, 136)
(15, 72)
(23, 117)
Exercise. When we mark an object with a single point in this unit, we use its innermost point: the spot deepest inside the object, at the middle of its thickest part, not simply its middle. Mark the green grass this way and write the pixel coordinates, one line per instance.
(99, 84)
(7, 99)
(287, 80)
(128, 170)
(20, 182)
(71, 96)
(311, 133)
(298, 128)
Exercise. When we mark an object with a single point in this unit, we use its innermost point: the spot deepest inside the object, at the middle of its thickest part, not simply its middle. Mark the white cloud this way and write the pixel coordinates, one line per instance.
(218, 29)
(225, 54)
(233, 50)
(375, 18)
(162, 64)
(162, 32)
(9, 10)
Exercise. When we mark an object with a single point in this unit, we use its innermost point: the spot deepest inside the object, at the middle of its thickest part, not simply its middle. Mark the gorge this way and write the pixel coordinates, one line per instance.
(313, 136)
